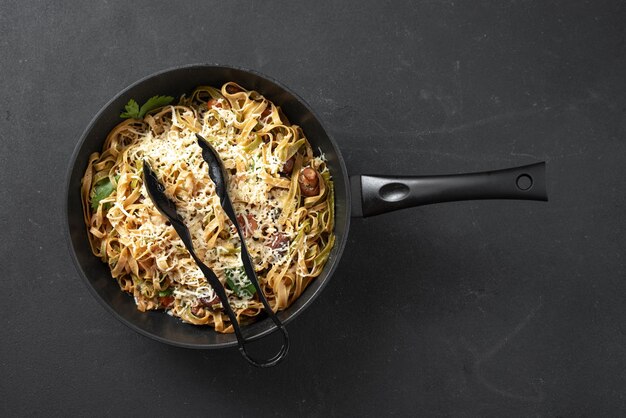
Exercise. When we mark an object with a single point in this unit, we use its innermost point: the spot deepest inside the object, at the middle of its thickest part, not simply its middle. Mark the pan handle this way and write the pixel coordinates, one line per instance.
(374, 195)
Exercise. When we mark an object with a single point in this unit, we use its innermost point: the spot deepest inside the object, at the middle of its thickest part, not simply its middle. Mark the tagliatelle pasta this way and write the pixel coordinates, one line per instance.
(288, 224)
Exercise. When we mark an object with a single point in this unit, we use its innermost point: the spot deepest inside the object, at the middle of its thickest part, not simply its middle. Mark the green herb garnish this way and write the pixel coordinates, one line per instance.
(134, 111)
(102, 190)
(243, 291)
(166, 292)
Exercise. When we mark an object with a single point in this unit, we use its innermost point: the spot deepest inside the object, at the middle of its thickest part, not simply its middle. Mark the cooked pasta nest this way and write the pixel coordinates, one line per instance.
(289, 235)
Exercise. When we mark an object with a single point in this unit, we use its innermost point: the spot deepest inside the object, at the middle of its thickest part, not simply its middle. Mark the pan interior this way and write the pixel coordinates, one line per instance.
(176, 82)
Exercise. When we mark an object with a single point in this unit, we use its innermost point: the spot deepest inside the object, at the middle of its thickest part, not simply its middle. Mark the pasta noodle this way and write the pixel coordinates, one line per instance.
(288, 230)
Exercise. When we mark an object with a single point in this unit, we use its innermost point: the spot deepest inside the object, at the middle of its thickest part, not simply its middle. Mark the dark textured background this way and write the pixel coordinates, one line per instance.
(492, 308)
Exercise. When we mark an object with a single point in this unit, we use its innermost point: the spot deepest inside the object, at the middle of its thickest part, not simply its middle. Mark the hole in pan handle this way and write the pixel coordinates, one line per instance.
(374, 195)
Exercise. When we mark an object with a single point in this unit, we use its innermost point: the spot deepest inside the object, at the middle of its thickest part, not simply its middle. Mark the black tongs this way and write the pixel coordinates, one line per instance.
(168, 209)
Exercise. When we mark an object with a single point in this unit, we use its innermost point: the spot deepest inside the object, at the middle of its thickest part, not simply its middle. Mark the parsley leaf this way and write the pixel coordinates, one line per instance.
(102, 190)
(247, 290)
(166, 292)
(134, 111)
(154, 103)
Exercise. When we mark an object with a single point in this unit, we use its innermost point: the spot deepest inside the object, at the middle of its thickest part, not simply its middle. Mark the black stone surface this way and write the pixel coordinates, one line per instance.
(499, 308)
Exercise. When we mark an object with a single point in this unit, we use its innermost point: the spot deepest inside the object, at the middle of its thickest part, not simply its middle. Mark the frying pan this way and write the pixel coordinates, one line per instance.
(354, 196)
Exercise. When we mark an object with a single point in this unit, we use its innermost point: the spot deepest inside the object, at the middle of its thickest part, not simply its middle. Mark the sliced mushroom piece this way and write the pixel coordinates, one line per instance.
(309, 182)
(287, 168)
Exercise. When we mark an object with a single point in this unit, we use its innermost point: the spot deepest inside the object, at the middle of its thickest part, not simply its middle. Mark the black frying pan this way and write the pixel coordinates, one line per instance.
(354, 196)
